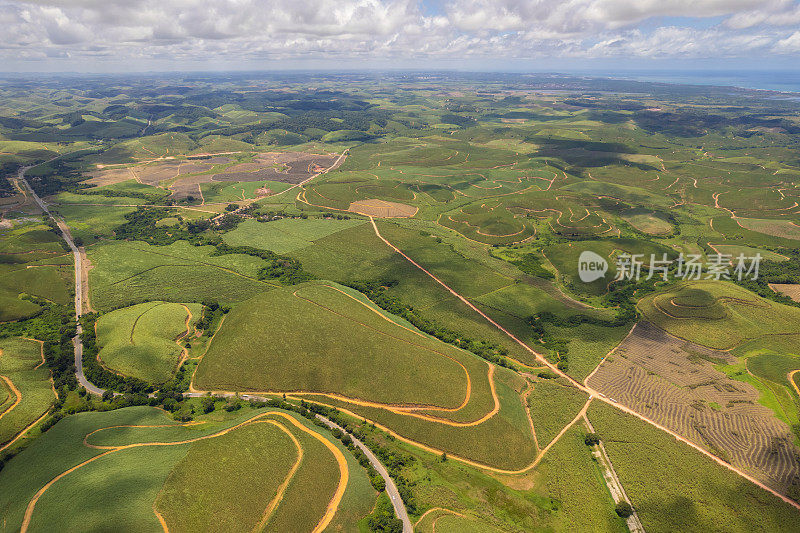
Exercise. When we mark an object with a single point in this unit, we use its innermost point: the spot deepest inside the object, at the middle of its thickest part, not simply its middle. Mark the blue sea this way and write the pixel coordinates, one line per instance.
(771, 80)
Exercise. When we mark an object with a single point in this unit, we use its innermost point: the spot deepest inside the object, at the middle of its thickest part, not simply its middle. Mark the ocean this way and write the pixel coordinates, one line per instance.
(772, 80)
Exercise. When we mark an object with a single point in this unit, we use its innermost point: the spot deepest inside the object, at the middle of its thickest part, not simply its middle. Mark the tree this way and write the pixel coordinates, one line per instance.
(624, 509)
(208, 404)
(444, 457)
(591, 439)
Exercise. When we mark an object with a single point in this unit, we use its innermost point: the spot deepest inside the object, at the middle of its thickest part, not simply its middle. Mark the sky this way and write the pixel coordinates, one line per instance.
(500, 35)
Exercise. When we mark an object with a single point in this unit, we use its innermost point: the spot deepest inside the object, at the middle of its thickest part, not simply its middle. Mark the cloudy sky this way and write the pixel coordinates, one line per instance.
(113, 35)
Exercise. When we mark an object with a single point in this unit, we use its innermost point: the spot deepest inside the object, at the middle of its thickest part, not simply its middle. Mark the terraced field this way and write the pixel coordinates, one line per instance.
(717, 314)
(675, 383)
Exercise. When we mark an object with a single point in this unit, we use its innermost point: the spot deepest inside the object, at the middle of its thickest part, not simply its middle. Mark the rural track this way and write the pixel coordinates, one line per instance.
(594, 394)
(612, 481)
(330, 511)
(76, 341)
(67, 236)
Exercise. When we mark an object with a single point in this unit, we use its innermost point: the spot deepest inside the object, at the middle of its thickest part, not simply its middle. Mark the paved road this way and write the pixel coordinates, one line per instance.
(76, 341)
(391, 488)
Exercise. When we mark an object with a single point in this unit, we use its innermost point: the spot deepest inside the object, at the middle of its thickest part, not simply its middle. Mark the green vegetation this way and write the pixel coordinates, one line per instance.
(283, 340)
(127, 273)
(717, 314)
(284, 235)
(22, 367)
(492, 185)
(674, 488)
(142, 341)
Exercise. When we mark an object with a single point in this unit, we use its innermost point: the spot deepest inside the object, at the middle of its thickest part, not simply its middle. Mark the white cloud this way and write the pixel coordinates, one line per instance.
(242, 30)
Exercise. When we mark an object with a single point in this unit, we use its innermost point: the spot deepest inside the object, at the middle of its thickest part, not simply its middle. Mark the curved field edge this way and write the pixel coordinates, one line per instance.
(31, 393)
(306, 343)
(118, 432)
(141, 341)
(674, 488)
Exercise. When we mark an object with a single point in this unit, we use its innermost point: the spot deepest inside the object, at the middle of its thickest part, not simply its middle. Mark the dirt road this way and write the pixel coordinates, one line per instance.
(593, 393)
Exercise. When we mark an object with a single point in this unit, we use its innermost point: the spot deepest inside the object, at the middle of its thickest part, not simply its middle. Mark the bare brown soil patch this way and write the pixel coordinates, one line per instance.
(674, 383)
(382, 209)
(287, 167)
(193, 167)
(155, 174)
(792, 290)
(110, 176)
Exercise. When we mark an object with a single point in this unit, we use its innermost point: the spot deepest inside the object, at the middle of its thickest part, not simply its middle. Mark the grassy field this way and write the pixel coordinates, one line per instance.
(647, 222)
(285, 235)
(674, 488)
(32, 262)
(564, 258)
(91, 222)
(21, 364)
(315, 338)
(140, 341)
(198, 492)
(173, 482)
(565, 492)
(473, 442)
(553, 404)
(717, 314)
(126, 273)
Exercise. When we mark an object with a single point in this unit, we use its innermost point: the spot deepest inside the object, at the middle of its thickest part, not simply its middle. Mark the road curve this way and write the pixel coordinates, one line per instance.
(391, 488)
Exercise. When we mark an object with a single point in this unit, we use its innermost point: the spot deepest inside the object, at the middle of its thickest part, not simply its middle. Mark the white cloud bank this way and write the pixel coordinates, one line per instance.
(241, 31)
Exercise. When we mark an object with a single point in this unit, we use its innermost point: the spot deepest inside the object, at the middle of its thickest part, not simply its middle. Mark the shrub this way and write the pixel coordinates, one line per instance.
(624, 509)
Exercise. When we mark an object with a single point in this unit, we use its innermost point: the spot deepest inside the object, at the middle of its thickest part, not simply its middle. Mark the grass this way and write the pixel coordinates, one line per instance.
(565, 492)
(477, 443)
(125, 273)
(284, 341)
(553, 404)
(197, 495)
(32, 262)
(285, 235)
(139, 341)
(736, 314)
(675, 488)
(21, 362)
(134, 477)
(456, 524)
(734, 250)
(647, 222)
(91, 222)
(776, 228)
(565, 257)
